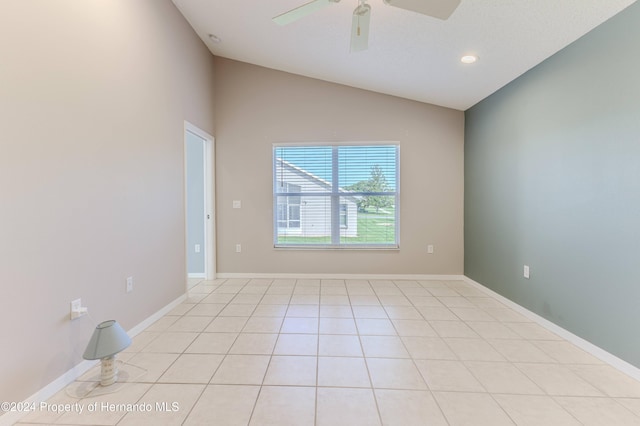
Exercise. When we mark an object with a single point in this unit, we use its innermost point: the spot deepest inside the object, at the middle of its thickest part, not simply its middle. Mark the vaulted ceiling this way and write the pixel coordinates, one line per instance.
(410, 55)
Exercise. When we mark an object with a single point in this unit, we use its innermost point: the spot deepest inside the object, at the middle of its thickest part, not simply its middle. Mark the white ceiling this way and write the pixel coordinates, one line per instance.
(410, 55)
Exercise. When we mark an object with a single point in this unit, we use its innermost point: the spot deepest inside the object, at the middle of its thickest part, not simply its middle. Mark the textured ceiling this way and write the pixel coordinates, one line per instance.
(410, 55)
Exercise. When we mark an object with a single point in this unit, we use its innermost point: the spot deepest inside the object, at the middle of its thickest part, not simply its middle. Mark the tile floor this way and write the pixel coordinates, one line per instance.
(354, 352)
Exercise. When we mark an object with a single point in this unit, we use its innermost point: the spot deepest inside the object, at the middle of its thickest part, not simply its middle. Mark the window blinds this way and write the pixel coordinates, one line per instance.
(336, 195)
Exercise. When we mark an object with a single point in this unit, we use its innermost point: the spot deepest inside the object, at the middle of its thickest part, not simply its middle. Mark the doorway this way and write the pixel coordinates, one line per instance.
(199, 204)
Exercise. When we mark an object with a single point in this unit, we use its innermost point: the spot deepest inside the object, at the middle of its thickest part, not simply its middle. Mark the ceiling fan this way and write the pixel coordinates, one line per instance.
(440, 9)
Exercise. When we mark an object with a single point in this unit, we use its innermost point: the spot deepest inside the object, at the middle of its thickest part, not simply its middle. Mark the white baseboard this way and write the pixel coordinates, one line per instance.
(78, 370)
(583, 344)
(231, 275)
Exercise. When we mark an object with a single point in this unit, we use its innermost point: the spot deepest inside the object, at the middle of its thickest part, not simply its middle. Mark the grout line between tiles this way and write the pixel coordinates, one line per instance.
(251, 288)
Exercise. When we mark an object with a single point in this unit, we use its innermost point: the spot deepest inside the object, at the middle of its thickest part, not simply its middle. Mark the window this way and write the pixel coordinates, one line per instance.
(343, 195)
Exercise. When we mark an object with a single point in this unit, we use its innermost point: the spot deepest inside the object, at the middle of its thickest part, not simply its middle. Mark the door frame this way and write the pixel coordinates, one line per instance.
(209, 202)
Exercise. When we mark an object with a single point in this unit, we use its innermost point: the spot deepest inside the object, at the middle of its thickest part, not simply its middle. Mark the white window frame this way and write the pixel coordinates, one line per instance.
(335, 196)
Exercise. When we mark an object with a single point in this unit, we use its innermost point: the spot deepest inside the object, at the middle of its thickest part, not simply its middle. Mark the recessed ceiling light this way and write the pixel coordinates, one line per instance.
(468, 59)
(214, 38)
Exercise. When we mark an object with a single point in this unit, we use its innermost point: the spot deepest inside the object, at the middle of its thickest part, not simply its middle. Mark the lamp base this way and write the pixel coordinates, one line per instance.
(108, 371)
(89, 385)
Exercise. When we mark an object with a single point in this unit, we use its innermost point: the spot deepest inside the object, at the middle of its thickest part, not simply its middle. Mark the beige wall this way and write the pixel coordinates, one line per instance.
(256, 107)
(93, 98)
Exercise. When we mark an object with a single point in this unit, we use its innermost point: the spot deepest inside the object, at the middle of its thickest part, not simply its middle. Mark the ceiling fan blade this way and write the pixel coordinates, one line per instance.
(440, 9)
(302, 11)
(360, 28)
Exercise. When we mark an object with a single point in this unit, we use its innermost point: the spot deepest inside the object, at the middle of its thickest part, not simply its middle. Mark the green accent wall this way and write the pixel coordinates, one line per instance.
(552, 180)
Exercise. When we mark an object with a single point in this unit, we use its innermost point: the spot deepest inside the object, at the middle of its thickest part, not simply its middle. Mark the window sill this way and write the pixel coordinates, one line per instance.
(331, 248)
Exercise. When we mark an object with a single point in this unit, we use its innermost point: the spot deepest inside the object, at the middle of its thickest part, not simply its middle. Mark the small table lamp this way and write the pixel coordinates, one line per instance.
(107, 340)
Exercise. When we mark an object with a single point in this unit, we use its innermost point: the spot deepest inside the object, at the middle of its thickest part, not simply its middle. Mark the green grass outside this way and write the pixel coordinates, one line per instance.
(373, 228)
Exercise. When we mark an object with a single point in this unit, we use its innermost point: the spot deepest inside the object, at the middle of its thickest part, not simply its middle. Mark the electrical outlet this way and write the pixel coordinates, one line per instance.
(197, 248)
(526, 271)
(430, 249)
(129, 284)
(238, 248)
(237, 204)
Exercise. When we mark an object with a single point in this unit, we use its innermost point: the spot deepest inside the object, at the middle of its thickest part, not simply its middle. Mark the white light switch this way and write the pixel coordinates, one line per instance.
(77, 310)
(238, 248)
(526, 271)
(197, 248)
(237, 204)
(430, 249)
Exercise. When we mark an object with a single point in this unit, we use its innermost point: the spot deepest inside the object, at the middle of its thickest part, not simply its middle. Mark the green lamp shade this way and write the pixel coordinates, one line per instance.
(107, 340)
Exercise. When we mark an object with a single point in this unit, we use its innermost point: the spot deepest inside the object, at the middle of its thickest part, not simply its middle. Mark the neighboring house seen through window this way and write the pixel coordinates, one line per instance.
(344, 195)
(289, 210)
(344, 215)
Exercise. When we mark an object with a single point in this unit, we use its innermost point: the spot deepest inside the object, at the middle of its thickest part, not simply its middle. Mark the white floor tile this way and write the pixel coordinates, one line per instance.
(328, 311)
(343, 372)
(339, 345)
(316, 352)
(395, 374)
(241, 370)
(227, 405)
(428, 348)
(598, 411)
(285, 406)
(448, 376)
(192, 368)
(169, 405)
(296, 344)
(408, 327)
(492, 330)
(608, 380)
(224, 324)
(212, 343)
(473, 349)
(375, 327)
(557, 379)
(292, 370)
(475, 409)
(254, 344)
(270, 310)
(383, 347)
(535, 410)
(108, 411)
(338, 326)
(300, 325)
(520, 351)
(408, 408)
(171, 342)
(206, 309)
(502, 377)
(346, 407)
(154, 365)
(257, 324)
